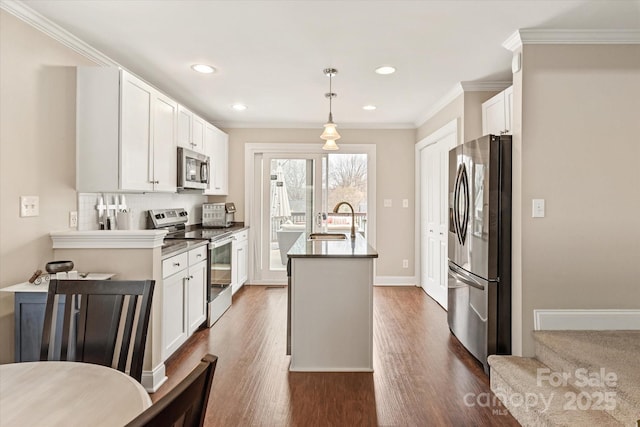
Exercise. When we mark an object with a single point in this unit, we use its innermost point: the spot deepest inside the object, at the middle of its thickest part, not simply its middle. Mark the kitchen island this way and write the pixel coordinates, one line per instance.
(330, 319)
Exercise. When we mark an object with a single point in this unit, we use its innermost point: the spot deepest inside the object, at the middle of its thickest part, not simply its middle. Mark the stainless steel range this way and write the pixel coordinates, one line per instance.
(219, 271)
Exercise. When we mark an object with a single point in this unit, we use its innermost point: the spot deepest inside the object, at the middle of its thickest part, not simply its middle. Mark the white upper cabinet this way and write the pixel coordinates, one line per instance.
(217, 148)
(191, 130)
(497, 113)
(126, 132)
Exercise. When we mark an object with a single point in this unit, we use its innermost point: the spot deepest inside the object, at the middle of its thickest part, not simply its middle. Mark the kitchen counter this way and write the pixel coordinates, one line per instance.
(330, 310)
(44, 287)
(176, 247)
(358, 248)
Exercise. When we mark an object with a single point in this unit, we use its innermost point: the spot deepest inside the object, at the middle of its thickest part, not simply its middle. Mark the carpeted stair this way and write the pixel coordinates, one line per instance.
(577, 378)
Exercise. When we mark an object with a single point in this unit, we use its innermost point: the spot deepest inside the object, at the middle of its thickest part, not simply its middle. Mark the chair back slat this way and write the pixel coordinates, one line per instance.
(128, 329)
(66, 327)
(101, 330)
(186, 404)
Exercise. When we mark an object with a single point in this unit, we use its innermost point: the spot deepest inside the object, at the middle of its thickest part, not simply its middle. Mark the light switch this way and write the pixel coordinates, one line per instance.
(29, 206)
(538, 208)
(405, 203)
(387, 203)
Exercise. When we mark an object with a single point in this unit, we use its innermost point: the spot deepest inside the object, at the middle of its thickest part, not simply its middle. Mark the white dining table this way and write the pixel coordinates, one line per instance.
(68, 394)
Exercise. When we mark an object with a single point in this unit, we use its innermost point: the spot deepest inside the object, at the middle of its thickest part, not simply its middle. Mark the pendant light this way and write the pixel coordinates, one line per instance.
(330, 134)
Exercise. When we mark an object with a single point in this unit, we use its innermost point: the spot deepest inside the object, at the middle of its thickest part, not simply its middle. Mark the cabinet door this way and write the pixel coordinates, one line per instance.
(243, 262)
(164, 143)
(217, 148)
(185, 118)
(174, 321)
(197, 284)
(508, 100)
(136, 169)
(197, 134)
(493, 115)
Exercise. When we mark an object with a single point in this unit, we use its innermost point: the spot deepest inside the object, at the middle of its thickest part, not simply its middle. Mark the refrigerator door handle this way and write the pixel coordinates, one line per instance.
(465, 184)
(458, 274)
(456, 204)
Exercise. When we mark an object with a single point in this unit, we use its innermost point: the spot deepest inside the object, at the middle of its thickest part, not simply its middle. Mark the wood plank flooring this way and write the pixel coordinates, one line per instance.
(422, 374)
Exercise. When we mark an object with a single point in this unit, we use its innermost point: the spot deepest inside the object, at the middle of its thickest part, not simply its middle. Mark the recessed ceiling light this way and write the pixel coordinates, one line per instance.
(385, 69)
(203, 68)
(239, 107)
(369, 107)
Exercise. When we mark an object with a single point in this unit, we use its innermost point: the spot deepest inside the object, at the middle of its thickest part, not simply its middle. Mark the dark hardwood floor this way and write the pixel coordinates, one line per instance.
(423, 376)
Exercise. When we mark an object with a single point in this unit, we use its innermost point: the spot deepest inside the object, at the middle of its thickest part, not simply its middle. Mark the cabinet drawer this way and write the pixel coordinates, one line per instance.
(198, 254)
(242, 235)
(174, 264)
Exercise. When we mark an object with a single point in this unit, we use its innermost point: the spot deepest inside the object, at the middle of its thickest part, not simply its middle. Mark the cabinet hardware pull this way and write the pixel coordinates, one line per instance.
(190, 277)
(199, 256)
(176, 264)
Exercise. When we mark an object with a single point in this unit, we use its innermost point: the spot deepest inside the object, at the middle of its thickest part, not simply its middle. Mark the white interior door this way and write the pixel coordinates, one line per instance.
(434, 169)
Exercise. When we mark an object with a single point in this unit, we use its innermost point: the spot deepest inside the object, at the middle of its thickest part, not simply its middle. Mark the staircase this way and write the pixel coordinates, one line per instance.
(577, 378)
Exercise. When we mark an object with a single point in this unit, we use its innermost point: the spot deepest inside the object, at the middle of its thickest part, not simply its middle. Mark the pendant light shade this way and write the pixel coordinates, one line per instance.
(330, 133)
(331, 145)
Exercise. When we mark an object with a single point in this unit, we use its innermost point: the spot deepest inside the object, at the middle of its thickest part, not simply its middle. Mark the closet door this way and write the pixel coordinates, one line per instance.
(434, 219)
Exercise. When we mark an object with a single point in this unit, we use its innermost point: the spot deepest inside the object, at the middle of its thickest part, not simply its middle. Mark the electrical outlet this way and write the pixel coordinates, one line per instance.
(73, 219)
(29, 206)
(405, 263)
(387, 203)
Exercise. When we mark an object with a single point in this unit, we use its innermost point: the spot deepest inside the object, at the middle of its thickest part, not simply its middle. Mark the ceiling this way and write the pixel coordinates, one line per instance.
(270, 55)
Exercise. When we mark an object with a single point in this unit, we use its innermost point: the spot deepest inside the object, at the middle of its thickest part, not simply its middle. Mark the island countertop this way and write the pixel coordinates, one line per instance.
(358, 248)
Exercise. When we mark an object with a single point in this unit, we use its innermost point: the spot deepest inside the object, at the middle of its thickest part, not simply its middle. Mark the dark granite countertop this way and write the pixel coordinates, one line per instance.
(358, 248)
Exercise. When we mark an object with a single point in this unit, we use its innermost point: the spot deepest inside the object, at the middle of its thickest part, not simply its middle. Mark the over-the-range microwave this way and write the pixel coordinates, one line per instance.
(193, 170)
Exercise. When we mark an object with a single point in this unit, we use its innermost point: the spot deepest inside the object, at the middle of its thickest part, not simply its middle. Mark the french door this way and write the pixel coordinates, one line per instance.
(292, 189)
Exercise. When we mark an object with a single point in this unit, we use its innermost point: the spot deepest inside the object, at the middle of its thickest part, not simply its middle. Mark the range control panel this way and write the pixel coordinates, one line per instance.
(162, 218)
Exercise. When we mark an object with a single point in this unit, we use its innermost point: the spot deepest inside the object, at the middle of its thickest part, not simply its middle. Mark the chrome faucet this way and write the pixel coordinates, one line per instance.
(353, 217)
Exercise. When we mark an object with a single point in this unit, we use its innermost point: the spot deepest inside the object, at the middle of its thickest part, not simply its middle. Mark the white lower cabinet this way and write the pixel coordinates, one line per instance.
(184, 297)
(197, 293)
(239, 260)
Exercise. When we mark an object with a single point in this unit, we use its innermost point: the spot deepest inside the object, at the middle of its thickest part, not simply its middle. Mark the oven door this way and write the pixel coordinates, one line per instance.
(220, 273)
(221, 262)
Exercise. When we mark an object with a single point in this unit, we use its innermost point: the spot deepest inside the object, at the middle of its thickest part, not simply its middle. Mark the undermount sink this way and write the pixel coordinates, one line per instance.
(327, 236)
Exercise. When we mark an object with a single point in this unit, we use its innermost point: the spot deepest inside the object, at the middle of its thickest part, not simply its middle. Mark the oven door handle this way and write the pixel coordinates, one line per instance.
(219, 243)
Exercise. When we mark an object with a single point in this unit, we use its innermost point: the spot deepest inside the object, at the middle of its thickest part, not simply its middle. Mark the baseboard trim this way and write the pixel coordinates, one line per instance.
(581, 320)
(394, 281)
(152, 380)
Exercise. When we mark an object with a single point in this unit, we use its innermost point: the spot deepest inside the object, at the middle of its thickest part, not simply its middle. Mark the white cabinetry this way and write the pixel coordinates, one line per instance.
(184, 298)
(197, 289)
(217, 148)
(126, 133)
(497, 113)
(239, 260)
(190, 130)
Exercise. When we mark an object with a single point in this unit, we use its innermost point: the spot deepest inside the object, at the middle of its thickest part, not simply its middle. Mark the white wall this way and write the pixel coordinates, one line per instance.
(37, 153)
(577, 145)
(395, 181)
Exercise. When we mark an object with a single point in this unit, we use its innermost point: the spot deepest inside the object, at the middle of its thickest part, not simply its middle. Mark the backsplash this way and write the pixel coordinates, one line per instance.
(138, 205)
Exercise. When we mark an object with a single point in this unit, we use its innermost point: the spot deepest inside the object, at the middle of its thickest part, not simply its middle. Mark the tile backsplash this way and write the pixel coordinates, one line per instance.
(138, 205)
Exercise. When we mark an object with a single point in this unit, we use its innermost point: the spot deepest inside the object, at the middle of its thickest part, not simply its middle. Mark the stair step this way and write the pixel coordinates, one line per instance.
(533, 401)
(597, 362)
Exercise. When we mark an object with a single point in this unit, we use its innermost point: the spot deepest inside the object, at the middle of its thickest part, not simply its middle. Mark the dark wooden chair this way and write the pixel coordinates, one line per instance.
(104, 322)
(185, 405)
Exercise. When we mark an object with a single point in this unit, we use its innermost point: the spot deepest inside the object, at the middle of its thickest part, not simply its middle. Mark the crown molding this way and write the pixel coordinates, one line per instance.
(457, 90)
(542, 36)
(33, 18)
(485, 86)
(311, 126)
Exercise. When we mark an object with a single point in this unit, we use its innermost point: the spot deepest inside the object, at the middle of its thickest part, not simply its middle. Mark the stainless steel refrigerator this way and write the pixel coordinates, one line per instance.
(479, 277)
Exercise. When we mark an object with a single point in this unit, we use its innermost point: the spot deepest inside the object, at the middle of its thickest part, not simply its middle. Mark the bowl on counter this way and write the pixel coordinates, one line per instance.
(54, 267)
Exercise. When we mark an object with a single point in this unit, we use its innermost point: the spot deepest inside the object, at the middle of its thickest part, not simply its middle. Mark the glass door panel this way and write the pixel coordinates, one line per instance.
(290, 200)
